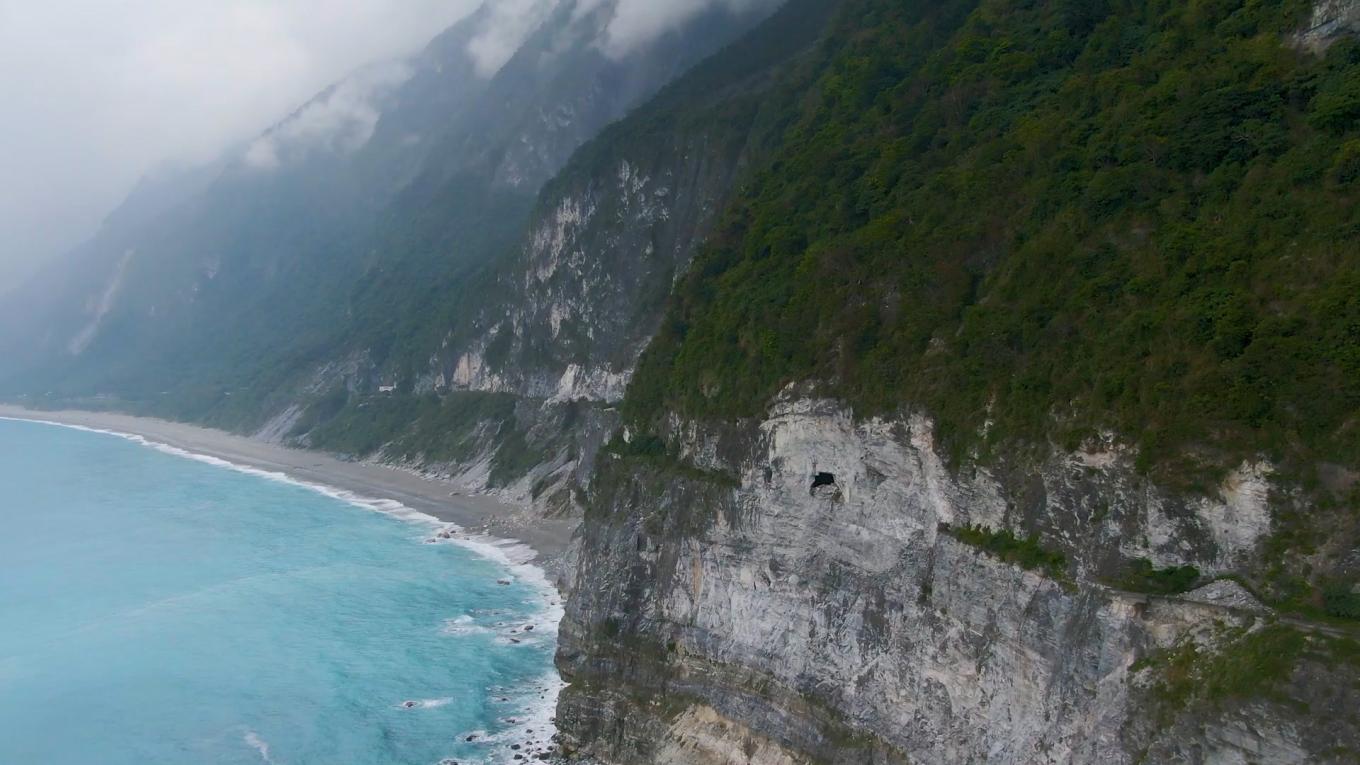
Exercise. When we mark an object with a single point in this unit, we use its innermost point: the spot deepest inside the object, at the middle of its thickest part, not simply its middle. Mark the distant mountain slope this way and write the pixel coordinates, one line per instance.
(568, 314)
(338, 232)
(215, 279)
(513, 377)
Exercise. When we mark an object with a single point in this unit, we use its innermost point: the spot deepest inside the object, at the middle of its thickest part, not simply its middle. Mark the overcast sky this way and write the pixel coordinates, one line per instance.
(93, 93)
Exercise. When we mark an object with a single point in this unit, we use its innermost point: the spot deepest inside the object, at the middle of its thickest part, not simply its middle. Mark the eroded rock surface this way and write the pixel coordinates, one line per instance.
(725, 613)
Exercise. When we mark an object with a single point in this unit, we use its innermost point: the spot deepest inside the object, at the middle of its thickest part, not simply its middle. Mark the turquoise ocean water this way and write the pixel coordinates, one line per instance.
(156, 608)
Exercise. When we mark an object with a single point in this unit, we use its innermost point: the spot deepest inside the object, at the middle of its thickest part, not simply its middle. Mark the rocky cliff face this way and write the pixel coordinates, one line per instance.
(568, 313)
(1331, 20)
(586, 288)
(790, 592)
(804, 585)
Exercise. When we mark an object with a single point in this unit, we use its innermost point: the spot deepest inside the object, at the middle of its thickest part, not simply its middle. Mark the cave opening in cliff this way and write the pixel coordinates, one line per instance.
(823, 479)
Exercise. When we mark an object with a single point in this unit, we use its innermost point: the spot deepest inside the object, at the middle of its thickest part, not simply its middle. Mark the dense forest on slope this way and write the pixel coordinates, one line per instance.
(1037, 220)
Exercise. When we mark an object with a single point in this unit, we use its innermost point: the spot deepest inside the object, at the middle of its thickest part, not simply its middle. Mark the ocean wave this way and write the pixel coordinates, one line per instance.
(532, 728)
(463, 625)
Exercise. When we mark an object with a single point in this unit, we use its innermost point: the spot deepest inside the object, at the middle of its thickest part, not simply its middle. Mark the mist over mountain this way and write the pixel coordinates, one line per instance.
(97, 96)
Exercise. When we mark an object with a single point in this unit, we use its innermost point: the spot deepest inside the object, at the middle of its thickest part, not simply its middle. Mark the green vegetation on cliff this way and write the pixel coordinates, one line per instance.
(1056, 217)
(1143, 576)
(1026, 552)
(1243, 664)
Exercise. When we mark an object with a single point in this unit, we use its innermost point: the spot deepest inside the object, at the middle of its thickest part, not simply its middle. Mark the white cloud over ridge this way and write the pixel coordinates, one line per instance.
(638, 22)
(631, 24)
(508, 24)
(97, 93)
(340, 120)
(343, 119)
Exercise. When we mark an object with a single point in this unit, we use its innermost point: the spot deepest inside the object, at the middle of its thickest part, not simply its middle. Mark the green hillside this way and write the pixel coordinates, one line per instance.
(1034, 220)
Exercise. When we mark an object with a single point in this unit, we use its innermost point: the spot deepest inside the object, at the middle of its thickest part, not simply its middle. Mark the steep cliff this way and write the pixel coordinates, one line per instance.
(999, 419)
(734, 610)
(569, 313)
(1331, 21)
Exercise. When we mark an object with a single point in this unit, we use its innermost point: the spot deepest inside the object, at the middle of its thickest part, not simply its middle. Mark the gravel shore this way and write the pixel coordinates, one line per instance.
(476, 514)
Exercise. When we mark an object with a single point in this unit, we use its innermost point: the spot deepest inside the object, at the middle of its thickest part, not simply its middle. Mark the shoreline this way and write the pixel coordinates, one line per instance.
(476, 515)
(527, 546)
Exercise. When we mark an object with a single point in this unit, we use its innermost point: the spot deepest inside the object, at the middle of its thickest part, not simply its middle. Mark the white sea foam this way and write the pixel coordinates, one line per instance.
(258, 744)
(532, 727)
(510, 554)
(463, 625)
(425, 703)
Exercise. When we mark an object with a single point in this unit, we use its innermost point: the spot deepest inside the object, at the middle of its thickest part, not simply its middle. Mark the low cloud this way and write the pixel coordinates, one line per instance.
(637, 22)
(507, 25)
(631, 24)
(339, 121)
(96, 93)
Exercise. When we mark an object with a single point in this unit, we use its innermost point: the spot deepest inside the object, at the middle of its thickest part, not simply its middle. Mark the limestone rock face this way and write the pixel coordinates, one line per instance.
(1332, 19)
(583, 294)
(725, 613)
